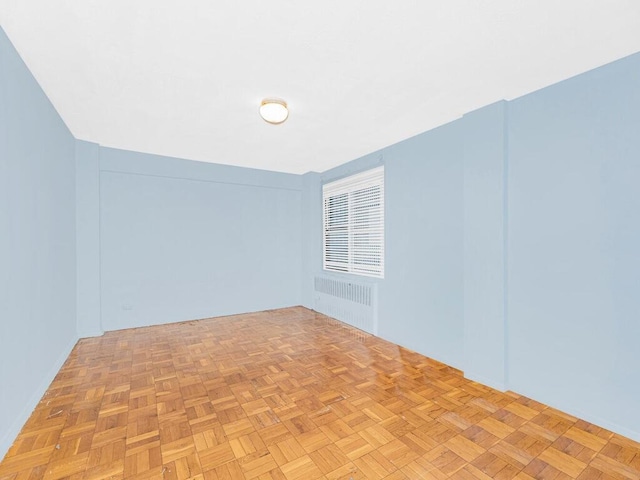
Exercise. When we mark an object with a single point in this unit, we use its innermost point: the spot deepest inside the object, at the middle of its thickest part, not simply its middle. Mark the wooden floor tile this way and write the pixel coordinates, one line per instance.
(292, 395)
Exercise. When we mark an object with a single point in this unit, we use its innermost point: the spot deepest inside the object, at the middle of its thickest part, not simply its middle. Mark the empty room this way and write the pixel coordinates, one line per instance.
(349, 240)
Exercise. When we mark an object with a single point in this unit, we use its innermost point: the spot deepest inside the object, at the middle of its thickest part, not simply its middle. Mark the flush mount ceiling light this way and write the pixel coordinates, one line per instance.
(274, 110)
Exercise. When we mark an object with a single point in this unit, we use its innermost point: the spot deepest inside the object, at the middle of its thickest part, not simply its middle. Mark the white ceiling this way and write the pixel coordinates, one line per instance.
(185, 78)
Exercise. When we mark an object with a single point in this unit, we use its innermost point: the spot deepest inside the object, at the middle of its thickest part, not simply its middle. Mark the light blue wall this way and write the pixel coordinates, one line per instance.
(88, 239)
(37, 243)
(574, 245)
(485, 228)
(421, 296)
(311, 235)
(184, 240)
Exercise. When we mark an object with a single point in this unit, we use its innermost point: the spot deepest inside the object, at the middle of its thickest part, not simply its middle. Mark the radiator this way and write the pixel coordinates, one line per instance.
(350, 302)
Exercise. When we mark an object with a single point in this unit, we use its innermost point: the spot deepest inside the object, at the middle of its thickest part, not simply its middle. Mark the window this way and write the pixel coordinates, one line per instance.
(353, 221)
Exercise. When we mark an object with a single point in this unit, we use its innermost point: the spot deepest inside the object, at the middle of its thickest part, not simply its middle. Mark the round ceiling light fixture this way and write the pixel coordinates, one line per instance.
(274, 110)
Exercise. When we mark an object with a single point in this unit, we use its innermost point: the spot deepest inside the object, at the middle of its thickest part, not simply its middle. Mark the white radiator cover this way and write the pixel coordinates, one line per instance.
(351, 302)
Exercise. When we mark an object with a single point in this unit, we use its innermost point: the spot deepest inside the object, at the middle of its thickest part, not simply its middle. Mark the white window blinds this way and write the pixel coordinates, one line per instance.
(353, 220)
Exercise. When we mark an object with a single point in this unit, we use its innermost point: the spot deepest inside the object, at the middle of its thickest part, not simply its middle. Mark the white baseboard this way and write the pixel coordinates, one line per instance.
(12, 432)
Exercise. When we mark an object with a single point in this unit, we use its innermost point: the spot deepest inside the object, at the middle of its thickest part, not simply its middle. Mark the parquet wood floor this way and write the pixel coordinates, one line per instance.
(292, 395)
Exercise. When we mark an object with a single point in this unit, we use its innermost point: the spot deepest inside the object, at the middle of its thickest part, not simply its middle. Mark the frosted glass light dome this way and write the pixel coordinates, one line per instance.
(274, 110)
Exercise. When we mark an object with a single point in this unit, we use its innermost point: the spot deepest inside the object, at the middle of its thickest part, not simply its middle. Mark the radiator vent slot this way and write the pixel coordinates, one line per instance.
(354, 303)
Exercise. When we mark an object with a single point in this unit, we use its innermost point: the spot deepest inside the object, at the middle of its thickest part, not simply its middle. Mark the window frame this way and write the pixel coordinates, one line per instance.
(350, 220)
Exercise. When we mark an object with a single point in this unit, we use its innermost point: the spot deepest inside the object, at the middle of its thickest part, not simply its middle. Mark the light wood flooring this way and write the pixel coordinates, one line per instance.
(290, 394)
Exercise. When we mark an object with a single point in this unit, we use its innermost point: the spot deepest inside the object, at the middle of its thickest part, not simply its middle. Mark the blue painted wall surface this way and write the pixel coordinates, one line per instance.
(421, 296)
(185, 240)
(88, 238)
(484, 250)
(37, 243)
(311, 234)
(574, 245)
